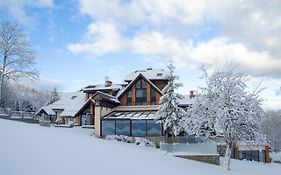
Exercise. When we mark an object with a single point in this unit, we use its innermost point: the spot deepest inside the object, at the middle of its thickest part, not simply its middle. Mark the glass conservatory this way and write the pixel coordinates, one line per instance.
(136, 124)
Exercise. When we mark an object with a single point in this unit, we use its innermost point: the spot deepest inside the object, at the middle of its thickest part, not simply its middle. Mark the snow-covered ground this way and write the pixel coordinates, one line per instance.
(28, 149)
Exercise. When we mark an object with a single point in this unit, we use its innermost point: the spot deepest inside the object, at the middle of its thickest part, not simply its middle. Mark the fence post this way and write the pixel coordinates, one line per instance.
(21, 114)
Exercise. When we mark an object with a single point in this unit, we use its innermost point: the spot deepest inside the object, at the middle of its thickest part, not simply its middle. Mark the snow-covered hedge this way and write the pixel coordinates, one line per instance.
(134, 140)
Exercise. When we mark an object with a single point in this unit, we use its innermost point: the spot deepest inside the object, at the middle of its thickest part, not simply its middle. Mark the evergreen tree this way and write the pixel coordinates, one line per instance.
(225, 107)
(169, 113)
(27, 106)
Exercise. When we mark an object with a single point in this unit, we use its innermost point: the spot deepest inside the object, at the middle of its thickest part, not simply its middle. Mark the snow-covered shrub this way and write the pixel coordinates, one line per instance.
(126, 139)
(144, 142)
(120, 138)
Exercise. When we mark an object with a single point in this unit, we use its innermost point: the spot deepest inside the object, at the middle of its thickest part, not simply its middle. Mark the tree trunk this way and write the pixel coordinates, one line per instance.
(2, 79)
(228, 155)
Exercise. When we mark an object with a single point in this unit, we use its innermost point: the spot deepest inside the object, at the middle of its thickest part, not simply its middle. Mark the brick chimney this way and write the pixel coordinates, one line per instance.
(191, 94)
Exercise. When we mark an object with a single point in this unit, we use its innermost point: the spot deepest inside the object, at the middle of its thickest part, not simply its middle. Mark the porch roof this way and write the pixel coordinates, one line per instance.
(134, 115)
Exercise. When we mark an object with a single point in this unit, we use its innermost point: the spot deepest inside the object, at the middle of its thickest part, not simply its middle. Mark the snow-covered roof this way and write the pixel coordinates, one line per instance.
(102, 87)
(151, 74)
(136, 115)
(47, 109)
(138, 75)
(69, 102)
(186, 100)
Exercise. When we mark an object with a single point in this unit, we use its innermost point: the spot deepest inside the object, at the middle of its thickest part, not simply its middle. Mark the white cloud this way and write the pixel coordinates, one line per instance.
(255, 23)
(101, 38)
(17, 8)
(214, 52)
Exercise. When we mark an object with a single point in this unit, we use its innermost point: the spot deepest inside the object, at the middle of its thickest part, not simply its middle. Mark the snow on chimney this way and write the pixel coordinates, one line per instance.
(107, 82)
(191, 94)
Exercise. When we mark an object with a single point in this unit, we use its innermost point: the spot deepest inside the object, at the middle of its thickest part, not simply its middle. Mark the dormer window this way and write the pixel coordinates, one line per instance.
(159, 74)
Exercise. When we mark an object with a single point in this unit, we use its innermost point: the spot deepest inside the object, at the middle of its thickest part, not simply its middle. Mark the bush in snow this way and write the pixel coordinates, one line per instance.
(120, 138)
(126, 139)
(144, 142)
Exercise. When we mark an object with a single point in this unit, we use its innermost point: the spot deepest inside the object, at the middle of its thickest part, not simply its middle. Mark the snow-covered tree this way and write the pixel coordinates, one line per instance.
(225, 107)
(54, 96)
(16, 56)
(169, 114)
(27, 106)
(271, 126)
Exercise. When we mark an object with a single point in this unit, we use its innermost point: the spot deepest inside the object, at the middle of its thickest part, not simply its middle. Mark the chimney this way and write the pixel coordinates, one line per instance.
(191, 94)
(108, 83)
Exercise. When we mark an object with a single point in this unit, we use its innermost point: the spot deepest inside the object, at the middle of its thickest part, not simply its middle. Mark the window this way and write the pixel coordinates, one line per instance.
(152, 96)
(123, 127)
(129, 98)
(153, 128)
(250, 155)
(108, 127)
(141, 92)
(159, 74)
(138, 128)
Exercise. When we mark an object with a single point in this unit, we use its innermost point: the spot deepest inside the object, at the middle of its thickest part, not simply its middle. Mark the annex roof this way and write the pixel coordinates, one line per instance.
(150, 74)
(69, 102)
(186, 100)
(47, 109)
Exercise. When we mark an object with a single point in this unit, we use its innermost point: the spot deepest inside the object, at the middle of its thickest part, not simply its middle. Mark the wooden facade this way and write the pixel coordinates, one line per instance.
(158, 86)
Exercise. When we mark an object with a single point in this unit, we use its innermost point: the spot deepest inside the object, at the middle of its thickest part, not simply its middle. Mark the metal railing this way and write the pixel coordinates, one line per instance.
(10, 114)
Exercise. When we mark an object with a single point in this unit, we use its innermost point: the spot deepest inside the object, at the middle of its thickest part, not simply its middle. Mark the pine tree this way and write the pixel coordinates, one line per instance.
(169, 113)
(225, 107)
(27, 106)
(54, 96)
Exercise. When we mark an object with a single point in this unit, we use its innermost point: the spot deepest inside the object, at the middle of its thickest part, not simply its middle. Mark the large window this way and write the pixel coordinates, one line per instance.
(135, 127)
(152, 96)
(138, 127)
(108, 127)
(141, 92)
(129, 98)
(153, 128)
(123, 127)
(250, 155)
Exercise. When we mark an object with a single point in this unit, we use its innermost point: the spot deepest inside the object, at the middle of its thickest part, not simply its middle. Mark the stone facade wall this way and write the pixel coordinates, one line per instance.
(212, 159)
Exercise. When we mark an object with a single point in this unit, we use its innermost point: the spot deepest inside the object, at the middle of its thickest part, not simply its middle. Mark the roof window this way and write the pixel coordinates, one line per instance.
(159, 74)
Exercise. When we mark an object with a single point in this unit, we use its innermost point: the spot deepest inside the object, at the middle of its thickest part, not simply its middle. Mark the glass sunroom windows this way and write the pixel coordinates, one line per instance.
(122, 127)
(154, 128)
(138, 127)
(108, 127)
(135, 127)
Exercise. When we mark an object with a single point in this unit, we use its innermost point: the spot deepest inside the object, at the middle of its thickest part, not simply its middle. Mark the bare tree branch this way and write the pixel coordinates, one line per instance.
(17, 59)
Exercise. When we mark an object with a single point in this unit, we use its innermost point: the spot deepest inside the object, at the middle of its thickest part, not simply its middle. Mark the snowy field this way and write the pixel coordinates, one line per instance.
(28, 149)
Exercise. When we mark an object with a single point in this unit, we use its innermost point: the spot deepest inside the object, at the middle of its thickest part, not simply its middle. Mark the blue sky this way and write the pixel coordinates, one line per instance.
(79, 42)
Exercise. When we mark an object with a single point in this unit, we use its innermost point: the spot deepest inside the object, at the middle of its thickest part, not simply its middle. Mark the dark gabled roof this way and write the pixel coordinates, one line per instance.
(121, 92)
(91, 100)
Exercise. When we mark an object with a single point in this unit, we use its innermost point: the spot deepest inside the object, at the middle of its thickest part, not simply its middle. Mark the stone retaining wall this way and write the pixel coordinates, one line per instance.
(212, 159)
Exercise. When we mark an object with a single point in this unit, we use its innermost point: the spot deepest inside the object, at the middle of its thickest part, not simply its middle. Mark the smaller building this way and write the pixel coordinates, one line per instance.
(64, 110)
